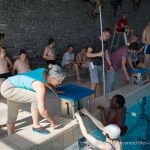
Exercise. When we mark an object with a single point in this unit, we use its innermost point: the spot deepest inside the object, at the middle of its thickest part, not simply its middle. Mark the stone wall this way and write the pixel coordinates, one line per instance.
(29, 23)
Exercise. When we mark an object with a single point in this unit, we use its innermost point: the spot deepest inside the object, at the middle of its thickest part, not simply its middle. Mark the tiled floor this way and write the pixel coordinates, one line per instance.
(53, 105)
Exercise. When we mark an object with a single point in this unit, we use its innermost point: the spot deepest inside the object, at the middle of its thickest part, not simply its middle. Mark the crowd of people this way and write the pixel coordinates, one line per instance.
(19, 84)
(113, 118)
(124, 57)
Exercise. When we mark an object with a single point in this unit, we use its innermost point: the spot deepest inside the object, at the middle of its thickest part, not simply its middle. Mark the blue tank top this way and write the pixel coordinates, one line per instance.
(25, 80)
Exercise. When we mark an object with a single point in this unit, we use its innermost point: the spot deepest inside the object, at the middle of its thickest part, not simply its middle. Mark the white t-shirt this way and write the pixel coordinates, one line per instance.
(67, 57)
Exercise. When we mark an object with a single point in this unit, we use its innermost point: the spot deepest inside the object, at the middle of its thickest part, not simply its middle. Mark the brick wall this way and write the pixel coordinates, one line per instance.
(29, 23)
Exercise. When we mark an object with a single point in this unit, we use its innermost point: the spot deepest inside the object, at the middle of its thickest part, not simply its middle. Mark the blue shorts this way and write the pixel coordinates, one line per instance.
(96, 73)
(147, 49)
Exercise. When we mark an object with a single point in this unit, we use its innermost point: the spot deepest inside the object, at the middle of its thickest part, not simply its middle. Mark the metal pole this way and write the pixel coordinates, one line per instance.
(101, 28)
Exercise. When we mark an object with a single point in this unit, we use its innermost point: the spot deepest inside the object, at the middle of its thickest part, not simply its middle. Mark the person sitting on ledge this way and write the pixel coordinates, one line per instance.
(115, 113)
(21, 65)
(81, 59)
(68, 62)
(5, 65)
(30, 87)
(111, 132)
(133, 56)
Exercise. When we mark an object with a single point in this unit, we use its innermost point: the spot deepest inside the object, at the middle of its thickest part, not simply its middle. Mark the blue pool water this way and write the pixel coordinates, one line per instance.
(138, 134)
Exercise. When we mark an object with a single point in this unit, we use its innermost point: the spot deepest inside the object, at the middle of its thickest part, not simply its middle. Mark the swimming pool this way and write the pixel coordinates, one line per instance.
(138, 134)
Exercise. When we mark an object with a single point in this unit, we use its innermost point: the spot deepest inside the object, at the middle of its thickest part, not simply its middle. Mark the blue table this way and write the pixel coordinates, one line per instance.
(142, 70)
(71, 99)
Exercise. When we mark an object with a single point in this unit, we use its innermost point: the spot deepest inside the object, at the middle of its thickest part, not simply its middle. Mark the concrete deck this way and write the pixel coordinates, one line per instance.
(69, 132)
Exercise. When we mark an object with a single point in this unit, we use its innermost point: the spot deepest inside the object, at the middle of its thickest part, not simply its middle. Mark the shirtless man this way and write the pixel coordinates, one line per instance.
(81, 59)
(5, 65)
(21, 65)
(49, 52)
(146, 41)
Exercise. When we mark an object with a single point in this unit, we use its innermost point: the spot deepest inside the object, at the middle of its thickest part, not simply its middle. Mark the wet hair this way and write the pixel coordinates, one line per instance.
(22, 52)
(120, 100)
(56, 71)
(106, 29)
(50, 41)
(134, 46)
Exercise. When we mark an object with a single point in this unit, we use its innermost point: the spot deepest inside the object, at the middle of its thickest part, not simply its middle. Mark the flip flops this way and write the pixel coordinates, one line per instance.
(56, 126)
(41, 130)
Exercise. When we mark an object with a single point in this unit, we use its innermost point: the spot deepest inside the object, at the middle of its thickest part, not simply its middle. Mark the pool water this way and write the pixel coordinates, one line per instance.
(138, 133)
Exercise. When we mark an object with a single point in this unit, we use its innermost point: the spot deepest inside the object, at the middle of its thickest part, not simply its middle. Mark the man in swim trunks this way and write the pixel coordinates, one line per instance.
(49, 52)
(146, 42)
(5, 65)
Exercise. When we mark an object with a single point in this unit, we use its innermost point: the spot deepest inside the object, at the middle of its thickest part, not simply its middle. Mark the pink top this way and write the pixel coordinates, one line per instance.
(116, 57)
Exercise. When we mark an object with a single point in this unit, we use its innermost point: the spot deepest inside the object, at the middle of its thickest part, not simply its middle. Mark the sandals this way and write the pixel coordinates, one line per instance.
(41, 130)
